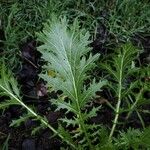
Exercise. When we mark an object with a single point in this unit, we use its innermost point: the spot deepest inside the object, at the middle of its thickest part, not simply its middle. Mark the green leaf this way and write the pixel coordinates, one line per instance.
(38, 129)
(134, 138)
(61, 104)
(90, 92)
(22, 119)
(119, 68)
(145, 137)
(7, 88)
(65, 50)
(69, 122)
(7, 103)
(91, 113)
(66, 135)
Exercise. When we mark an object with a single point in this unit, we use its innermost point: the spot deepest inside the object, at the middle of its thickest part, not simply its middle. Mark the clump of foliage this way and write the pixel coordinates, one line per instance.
(10, 91)
(65, 50)
(66, 53)
(124, 78)
(20, 19)
(133, 138)
(128, 17)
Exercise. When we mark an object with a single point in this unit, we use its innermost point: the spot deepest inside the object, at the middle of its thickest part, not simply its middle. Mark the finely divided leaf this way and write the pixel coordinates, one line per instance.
(65, 50)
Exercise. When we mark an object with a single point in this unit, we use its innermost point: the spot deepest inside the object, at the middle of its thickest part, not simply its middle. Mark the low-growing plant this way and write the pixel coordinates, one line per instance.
(128, 18)
(133, 138)
(66, 52)
(11, 36)
(63, 51)
(124, 78)
(120, 67)
(11, 93)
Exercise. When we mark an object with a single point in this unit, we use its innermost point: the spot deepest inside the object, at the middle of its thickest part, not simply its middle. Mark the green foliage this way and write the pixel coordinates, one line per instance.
(134, 139)
(11, 37)
(129, 17)
(20, 120)
(7, 103)
(20, 19)
(8, 87)
(119, 69)
(65, 52)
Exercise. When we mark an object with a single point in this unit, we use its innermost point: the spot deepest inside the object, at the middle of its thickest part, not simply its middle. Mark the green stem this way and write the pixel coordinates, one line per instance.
(37, 116)
(134, 104)
(119, 99)
(141, 119)
(116, 118)
(82, 125)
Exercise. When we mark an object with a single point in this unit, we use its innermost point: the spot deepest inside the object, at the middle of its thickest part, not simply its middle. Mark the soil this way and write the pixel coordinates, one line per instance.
(35, 93)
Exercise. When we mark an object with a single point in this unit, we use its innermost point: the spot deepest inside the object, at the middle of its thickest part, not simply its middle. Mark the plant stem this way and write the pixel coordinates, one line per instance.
(119, 99)
(37, 116)
(82, 124)
(134, 104)
(81, 118)
(116, 118)
(133, 107)
(141, 119)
